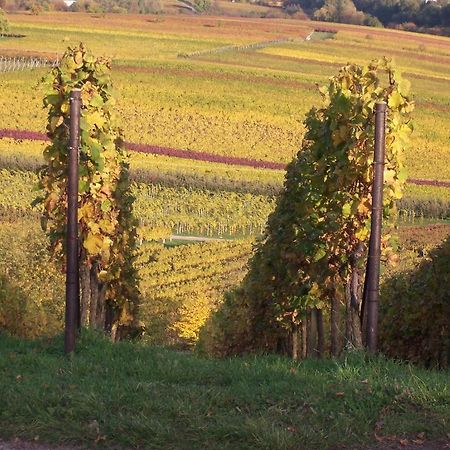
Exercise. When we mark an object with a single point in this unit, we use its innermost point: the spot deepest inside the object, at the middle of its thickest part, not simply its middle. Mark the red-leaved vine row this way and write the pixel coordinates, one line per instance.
(196, 156)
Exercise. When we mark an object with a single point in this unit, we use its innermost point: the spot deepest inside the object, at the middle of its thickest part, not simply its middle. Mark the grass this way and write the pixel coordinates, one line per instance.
(135, 396)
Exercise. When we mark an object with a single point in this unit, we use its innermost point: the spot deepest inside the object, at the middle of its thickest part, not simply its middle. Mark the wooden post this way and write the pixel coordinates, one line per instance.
(72, 318)
(373, 261)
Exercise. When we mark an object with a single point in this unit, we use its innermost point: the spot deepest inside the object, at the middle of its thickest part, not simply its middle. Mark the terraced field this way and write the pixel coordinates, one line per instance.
(235, 103)
(224, 118)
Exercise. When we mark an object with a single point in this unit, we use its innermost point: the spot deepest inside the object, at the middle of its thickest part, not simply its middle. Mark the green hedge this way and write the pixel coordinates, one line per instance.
(415, 311)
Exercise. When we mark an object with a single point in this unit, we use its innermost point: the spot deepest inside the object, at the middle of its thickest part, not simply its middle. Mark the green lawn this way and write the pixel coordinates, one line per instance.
(135, 396)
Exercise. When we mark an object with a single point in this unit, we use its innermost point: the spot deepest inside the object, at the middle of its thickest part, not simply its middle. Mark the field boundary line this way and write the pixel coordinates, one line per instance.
(236, 48)
(197, 156)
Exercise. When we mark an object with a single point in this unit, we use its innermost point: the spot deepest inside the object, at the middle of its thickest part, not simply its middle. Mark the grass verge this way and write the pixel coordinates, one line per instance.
(135, 396)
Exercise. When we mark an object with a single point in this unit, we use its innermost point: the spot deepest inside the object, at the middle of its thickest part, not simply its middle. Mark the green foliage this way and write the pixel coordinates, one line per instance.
(323, 216)
(379, 12)
(4, 24)
(31, 287)
(415, 311)
(339, 11)
(106, 224)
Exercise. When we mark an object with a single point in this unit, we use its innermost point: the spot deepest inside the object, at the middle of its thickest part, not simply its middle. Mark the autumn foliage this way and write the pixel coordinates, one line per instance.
(310, 259)
(106, 225)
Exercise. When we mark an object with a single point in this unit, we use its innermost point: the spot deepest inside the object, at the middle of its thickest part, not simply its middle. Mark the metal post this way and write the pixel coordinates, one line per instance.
(373, 262)
(72, 265)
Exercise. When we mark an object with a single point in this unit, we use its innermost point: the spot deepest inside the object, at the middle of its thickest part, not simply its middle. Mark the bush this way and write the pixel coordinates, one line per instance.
(372, 21)
(415, 312)
(31, 288)
(4, 24)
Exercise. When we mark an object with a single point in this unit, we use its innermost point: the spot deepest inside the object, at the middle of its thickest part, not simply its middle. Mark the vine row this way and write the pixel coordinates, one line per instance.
(198, 156)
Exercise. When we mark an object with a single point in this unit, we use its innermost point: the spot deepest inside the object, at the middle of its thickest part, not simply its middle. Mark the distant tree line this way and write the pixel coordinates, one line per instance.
(100, 6)
(411, 15)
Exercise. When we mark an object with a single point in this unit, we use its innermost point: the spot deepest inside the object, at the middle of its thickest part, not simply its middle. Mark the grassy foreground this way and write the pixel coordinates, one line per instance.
(134, 396)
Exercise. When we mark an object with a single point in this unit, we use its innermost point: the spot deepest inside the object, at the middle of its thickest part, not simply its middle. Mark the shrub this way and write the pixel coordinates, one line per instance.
(4, 24)
(31, 287)
(415, 311)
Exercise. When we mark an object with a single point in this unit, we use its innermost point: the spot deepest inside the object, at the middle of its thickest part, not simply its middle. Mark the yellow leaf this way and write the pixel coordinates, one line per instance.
(103, 275)
(395, 100)
(78, 58)
(93, 243)
(55, 122)
(94, 227)
(86, 211)
(362, 234)
(106, 225)
(364, 207)
(389, 176)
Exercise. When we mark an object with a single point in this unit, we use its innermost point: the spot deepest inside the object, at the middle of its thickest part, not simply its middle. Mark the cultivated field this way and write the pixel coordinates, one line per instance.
(197, 88)
(244, 103)
(212, 110)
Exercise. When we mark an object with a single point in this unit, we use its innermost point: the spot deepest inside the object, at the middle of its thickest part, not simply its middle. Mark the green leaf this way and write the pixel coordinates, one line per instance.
(106, 206)
(347, 209)
(83, 186)
(52, 99)
(96, 101)
(96, 149)
(320, 253)
(95, 119)
(84, 124)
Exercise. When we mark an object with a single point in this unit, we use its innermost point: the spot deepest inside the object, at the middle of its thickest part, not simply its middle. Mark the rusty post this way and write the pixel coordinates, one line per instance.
(373, 261)
(72, 318)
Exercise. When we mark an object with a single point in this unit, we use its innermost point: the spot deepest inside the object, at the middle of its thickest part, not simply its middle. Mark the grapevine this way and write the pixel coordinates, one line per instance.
(313, 245)
(106, 224)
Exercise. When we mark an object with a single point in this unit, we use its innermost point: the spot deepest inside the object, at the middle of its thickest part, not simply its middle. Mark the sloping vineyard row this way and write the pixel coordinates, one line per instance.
(191, 274)
(26, 155)
(176, 304)
(175, 261)
(207, 213)
(200, 211)
(152, 174)
(184, 211)
(32, 294)
(234, 117)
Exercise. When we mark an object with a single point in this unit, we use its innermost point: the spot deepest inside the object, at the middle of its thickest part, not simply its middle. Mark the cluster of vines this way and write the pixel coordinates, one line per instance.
(106, 224)
(180, 286)
(310, 259)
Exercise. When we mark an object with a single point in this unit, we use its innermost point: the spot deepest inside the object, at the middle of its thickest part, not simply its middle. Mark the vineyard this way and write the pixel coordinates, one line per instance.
(210, 135)
(250, 192)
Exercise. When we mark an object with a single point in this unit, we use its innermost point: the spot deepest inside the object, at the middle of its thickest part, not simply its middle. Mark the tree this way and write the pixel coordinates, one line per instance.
(4, 24)
(339, 11)
(311, 256)
(107, 228)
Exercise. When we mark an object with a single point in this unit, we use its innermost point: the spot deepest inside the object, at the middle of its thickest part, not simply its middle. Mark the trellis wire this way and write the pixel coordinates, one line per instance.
(21, 63)
(229, 48)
